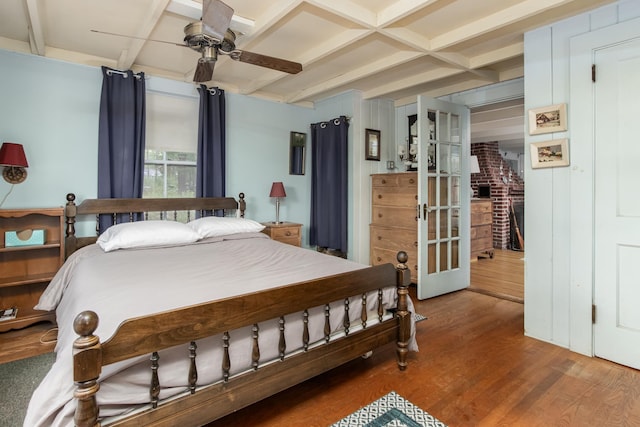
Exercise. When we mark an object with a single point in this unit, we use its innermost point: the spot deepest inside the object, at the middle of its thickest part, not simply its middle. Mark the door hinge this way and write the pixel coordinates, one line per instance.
(593, 73)
(593, 313)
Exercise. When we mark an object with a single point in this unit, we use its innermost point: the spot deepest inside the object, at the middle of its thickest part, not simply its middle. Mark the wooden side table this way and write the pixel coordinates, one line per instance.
(285, 232)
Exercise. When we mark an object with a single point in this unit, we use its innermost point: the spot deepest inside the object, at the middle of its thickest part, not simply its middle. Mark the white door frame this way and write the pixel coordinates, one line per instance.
(582, 228)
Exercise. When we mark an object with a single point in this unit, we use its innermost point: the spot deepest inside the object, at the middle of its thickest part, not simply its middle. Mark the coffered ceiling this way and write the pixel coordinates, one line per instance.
(383, 48)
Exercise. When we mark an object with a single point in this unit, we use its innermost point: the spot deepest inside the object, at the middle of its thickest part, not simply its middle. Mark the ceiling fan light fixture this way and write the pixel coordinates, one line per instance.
(209, 54)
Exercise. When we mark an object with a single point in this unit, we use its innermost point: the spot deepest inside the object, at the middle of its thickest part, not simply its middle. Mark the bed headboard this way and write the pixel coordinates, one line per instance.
(140, 209)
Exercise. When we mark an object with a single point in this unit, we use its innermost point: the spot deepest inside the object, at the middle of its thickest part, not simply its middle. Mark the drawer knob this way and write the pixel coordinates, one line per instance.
(415, 244)
(384, 181)
(379, 215)
(411, 181)
(288, 233)
(379, 259)
(379, 237)
(379, 196)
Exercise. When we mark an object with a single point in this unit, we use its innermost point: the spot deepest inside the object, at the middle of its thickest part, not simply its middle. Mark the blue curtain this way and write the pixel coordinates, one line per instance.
(210, 175)
(121, 136)
(329, 184)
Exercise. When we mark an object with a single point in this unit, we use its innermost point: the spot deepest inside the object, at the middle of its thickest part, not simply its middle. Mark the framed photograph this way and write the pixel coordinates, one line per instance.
(372, 144)
(548, 119)
(549, 154)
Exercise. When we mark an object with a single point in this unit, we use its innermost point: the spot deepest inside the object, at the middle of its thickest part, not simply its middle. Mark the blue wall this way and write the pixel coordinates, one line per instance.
(51, 107)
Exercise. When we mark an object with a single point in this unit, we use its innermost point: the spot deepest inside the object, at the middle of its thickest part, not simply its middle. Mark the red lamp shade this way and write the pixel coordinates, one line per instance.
(12, 154)
(277, 190)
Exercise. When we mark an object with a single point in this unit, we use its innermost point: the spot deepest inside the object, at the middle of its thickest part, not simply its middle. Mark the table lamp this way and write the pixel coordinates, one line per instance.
(277, 191)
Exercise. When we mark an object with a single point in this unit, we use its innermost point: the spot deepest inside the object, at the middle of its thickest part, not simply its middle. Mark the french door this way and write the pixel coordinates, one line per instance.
(443, 197)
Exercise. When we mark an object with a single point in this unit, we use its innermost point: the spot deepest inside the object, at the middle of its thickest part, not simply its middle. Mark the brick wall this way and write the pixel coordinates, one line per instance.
(492, 169)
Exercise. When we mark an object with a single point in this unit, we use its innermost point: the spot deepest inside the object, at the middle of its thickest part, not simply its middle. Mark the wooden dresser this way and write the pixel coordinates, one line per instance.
(26, 269)
(394, 228)
(285, 232)
(481, 228)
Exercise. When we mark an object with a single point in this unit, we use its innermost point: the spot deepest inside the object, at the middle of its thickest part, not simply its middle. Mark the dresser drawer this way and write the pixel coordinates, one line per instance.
(479, 206)
(481, 231)
(396, 239)
(395, 217)
(383, 256)
(406, 181)
(286, 232)
(393, 196)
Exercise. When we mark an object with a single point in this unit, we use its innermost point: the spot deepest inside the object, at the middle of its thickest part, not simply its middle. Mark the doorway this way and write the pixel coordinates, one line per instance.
(497, 139)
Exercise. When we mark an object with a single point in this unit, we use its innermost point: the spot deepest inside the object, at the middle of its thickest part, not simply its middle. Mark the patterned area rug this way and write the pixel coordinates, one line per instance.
(391, 410)
(419, 317)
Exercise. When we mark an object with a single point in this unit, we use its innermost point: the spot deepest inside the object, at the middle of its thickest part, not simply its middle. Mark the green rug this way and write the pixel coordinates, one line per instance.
(390, 410)
(18, 380)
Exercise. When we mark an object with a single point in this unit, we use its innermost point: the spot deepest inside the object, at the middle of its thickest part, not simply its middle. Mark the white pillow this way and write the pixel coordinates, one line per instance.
(142, 234)
(214, 226)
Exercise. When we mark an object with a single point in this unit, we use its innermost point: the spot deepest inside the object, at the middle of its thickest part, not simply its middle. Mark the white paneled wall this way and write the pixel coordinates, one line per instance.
(548, 213)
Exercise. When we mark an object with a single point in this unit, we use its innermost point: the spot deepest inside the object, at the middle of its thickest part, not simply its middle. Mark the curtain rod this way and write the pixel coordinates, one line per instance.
(122, 73)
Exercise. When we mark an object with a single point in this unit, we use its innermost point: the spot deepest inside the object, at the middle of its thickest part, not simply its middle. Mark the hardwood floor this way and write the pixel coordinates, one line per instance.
(475, 368)
(501, 276)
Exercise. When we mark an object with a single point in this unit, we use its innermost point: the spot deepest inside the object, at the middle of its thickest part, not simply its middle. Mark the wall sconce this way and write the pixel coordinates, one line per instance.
(13, 159)
(277, 191)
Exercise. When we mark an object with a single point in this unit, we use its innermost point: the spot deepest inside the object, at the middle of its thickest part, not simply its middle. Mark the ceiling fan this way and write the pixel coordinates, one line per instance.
(212, 36)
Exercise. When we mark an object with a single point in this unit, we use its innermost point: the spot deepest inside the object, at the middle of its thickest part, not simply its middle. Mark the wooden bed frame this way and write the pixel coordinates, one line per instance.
(150, 334)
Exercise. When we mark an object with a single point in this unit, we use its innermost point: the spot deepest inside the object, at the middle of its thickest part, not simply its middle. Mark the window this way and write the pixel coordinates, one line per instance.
(171, 146)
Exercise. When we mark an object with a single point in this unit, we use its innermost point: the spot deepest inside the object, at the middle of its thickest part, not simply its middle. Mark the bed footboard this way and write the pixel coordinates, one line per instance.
(150, 334)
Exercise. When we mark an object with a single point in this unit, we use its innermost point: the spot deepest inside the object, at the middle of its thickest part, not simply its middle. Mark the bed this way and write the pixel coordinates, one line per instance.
(202, 325)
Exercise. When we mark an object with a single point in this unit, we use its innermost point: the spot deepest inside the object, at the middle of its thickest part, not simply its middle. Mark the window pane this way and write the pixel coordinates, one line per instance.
(181, 181)
(153, 155)
(173, 156)
(153, 181)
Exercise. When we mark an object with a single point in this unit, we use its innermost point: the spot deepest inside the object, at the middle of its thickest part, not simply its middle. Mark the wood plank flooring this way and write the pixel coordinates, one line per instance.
(501, 276)
(475, 368)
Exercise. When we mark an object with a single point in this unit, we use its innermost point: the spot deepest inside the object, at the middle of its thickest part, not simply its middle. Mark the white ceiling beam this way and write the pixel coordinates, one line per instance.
(277, 11)
(321, 51)
(414, 80)
(401, 9)
(502, 18)
(511, 51)
(193, 10)
(349, 11)
(156, 10)
(36, 34)
(369, 69)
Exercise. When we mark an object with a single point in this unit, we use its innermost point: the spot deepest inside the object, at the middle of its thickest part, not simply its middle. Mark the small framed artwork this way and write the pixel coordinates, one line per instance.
(549, 154)
(372, 144)
(548, 119)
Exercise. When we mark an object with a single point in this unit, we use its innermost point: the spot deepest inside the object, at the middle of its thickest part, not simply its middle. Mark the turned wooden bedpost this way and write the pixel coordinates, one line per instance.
(70, 220)
(242, 204)
(87, 365)
(403, 278)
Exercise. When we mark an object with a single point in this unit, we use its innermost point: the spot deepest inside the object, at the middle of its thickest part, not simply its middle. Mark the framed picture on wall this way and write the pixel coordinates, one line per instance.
(548, 119)
(549, 154)
(372, 144)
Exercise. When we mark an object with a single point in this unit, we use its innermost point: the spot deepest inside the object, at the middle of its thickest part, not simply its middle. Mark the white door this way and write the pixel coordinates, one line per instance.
(617, 203)
(443, 197)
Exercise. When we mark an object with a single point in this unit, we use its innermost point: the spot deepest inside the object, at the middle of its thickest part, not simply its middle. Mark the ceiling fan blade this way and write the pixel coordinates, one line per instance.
(270, 62)
(138, 38)
(216, 17)
(204, 71)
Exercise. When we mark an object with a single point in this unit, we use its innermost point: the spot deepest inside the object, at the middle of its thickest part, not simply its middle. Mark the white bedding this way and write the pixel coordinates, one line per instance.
(136, 282)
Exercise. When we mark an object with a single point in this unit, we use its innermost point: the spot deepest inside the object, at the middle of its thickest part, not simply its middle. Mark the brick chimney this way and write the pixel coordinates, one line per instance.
(493, 168)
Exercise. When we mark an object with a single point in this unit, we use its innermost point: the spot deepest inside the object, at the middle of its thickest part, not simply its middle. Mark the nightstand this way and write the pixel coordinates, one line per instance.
(26, 268)
(285, 232)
